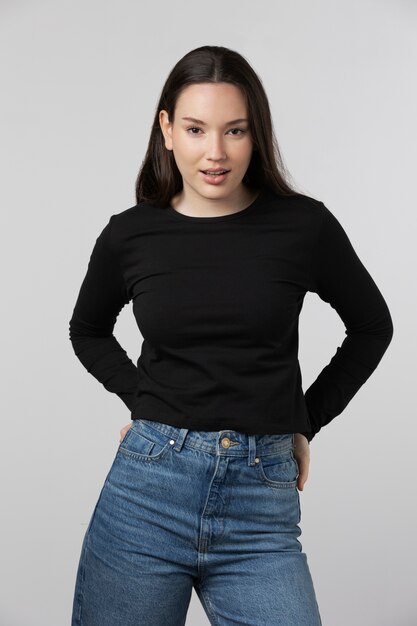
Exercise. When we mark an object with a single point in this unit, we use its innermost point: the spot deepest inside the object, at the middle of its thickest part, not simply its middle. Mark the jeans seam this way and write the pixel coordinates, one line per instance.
(80, 590)
(209, 608)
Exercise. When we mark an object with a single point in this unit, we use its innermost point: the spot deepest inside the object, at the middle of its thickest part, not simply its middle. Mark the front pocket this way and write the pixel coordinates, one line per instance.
(279, 470)
(143, 444)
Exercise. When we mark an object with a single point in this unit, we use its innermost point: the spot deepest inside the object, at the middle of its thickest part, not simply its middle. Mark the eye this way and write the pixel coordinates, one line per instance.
(240, 130)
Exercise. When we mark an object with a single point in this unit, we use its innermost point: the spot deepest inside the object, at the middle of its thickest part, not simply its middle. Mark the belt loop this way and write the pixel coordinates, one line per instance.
(252, 449)
(180, 439)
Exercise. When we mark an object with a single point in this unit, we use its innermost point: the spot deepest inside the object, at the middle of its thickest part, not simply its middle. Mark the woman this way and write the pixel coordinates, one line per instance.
(216, 256)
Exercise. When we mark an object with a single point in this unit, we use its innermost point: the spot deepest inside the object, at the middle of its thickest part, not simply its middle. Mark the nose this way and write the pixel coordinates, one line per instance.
(215, 148)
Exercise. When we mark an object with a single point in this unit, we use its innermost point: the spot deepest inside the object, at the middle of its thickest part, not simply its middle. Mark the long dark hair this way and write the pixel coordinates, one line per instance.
(159, 178)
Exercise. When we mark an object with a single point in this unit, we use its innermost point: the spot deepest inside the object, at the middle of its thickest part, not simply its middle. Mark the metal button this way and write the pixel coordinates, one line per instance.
(225, 442)
(172, 442)
(257, 460)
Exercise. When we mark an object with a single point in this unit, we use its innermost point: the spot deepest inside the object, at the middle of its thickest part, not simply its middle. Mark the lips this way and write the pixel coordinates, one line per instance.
(217, 177)
(217, 172)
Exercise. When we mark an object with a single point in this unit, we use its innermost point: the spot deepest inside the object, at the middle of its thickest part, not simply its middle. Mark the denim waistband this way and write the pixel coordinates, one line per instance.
(225, 442)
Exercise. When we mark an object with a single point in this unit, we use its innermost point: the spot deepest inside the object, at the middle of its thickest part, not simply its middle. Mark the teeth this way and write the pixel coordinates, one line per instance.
(215, 173)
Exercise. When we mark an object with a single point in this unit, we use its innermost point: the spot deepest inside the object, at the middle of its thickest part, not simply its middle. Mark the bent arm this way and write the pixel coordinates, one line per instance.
(101, 298)
(339, 277)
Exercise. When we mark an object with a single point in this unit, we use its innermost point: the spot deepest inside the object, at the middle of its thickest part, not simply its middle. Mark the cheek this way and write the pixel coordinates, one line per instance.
(186, 154)
(243, 153)
(181, 158)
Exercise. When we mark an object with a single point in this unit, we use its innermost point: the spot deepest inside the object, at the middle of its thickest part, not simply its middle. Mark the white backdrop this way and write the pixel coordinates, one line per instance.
(80, 82)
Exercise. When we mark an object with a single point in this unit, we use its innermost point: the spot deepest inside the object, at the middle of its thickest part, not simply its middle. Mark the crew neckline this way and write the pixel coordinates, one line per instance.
(217, 218)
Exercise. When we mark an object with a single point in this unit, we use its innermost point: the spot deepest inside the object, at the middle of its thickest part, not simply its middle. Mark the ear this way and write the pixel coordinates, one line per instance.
(166, 128)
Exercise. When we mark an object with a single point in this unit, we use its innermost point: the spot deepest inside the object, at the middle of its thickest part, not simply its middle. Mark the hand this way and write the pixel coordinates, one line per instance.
(302, 456)
(124, 431)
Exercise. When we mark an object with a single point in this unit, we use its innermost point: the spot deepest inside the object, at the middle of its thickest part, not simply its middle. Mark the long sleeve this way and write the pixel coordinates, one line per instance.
(340, 279)
(101, 297)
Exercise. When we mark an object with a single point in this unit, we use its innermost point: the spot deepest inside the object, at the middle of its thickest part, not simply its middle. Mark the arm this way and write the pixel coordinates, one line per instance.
(101, 297)
(339, 278)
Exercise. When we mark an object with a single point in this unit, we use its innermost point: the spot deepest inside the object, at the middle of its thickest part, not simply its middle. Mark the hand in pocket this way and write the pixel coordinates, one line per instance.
(124, 431)
(302, 456)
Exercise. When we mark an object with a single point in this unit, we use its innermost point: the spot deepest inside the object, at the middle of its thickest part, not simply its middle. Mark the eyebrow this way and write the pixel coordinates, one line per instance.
(193, 119)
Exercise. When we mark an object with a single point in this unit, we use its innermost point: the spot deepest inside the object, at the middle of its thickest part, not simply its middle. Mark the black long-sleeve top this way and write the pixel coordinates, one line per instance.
(217, 301)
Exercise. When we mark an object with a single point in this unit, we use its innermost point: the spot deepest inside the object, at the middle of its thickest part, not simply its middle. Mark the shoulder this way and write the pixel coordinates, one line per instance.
(295, 201)
(124, 218)
(317, 214)
(300, 209)
(119, 226)
(133, 219)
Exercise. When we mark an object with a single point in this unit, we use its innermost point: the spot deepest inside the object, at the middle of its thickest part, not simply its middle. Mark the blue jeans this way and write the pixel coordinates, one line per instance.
(217, 511)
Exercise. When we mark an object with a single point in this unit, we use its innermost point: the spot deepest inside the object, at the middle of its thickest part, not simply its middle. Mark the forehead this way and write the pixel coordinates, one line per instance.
(211, 100)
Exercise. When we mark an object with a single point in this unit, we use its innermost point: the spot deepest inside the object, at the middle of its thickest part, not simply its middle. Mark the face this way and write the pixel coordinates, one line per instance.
(210, 131)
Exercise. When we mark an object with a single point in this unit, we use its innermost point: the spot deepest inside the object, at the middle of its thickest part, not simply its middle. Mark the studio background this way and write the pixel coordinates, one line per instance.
(80, 82)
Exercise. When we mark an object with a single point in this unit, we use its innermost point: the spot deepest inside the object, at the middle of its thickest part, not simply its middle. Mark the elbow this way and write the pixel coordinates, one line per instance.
(390, 333)
(77, 331)
(384, 326)
(72, 330)
(385, 332)
(80, 329)
(389, 327)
